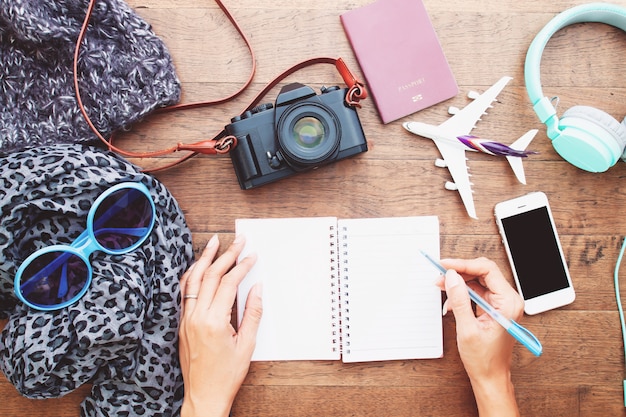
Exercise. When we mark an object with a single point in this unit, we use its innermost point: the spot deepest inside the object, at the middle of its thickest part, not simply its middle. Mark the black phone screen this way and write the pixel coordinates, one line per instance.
(535, 252)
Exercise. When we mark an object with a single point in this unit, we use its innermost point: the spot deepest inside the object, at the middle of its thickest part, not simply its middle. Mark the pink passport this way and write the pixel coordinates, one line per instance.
(400, 56)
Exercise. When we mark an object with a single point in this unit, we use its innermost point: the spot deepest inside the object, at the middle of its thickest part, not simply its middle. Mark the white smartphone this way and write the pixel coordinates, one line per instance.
(535, 253)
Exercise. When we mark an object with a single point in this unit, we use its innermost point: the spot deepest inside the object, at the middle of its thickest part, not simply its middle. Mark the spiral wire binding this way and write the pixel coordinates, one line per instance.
(334, 291)
(345, 294)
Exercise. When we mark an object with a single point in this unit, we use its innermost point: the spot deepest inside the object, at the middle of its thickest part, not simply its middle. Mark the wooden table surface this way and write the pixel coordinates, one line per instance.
(582, 368)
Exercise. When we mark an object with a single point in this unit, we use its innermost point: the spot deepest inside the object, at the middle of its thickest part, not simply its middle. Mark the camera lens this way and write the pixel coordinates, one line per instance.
(308, 132)
(308, 135)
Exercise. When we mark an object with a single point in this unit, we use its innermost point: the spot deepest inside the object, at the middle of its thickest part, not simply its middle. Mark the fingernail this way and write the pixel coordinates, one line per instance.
(257, 289)
(212, 242)
(452, 279)
(238, 239)
(444, 310)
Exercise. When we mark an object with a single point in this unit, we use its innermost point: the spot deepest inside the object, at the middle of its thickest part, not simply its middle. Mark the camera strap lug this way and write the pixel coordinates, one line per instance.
(356, 89)
(210, 147)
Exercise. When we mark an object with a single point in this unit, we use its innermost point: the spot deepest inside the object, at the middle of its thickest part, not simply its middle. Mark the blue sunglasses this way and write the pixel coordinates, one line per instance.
(118, 222)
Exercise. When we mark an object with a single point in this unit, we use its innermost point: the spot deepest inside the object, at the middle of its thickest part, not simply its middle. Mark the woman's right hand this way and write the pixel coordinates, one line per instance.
(485, 347)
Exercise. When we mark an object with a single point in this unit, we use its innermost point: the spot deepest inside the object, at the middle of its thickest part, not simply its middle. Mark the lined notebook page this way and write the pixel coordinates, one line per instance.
(294, 265)
(391, 308)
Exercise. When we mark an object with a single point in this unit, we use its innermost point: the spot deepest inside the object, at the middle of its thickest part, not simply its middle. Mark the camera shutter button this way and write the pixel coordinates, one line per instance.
(329, 89)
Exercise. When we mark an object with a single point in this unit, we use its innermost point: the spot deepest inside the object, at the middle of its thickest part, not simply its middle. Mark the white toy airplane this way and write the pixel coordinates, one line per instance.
(453, 139)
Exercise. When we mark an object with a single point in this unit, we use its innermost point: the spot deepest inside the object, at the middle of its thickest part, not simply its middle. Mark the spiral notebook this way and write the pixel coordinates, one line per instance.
(349, 289)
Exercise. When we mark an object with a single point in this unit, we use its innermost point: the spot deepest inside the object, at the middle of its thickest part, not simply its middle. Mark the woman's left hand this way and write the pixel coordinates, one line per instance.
(214, 357)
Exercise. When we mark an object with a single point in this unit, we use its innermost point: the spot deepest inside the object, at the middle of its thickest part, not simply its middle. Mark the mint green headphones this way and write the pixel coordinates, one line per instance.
(584, 136)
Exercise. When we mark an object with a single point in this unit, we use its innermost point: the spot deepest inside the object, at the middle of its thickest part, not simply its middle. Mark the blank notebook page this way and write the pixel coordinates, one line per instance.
(294, 266)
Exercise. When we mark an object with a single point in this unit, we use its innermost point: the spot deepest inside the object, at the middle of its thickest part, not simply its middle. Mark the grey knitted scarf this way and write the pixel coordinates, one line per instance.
(125, 71)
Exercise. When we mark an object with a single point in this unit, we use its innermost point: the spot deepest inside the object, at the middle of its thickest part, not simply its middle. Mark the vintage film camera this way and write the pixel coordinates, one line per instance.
(301, 131)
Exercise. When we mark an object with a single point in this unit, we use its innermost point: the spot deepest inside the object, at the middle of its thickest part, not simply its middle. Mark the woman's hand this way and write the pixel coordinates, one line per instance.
(485, 347)
(214, 357)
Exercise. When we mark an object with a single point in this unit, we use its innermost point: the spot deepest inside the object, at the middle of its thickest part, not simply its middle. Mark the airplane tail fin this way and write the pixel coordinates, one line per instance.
(522, 143)
(516, 162)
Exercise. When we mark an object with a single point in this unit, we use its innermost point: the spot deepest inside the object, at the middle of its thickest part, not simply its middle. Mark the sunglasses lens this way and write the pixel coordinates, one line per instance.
(123, 219)
(53, 278)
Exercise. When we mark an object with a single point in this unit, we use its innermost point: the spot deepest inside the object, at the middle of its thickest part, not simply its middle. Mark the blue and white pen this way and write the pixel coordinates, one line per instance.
(520, 333)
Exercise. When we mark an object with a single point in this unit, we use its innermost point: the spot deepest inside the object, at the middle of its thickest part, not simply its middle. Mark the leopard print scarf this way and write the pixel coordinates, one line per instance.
(122, 335)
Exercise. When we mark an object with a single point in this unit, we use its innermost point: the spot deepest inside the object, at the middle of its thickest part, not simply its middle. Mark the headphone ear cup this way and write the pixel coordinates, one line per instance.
(590, 138)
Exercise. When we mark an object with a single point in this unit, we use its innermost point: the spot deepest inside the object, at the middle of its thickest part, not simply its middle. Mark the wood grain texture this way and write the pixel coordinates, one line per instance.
(582, 368)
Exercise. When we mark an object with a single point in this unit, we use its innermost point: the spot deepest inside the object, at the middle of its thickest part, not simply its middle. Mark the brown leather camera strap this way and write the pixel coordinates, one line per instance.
(220, 143)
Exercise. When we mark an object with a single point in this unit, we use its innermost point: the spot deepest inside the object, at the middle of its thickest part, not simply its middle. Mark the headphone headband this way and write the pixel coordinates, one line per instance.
(586, 137)
(593, 12)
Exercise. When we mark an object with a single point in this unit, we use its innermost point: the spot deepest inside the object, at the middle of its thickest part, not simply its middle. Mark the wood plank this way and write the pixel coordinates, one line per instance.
(398, 401)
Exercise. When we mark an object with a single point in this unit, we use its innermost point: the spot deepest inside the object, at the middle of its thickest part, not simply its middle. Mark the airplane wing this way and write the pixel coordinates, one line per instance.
(465, 120)
(455, 161)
